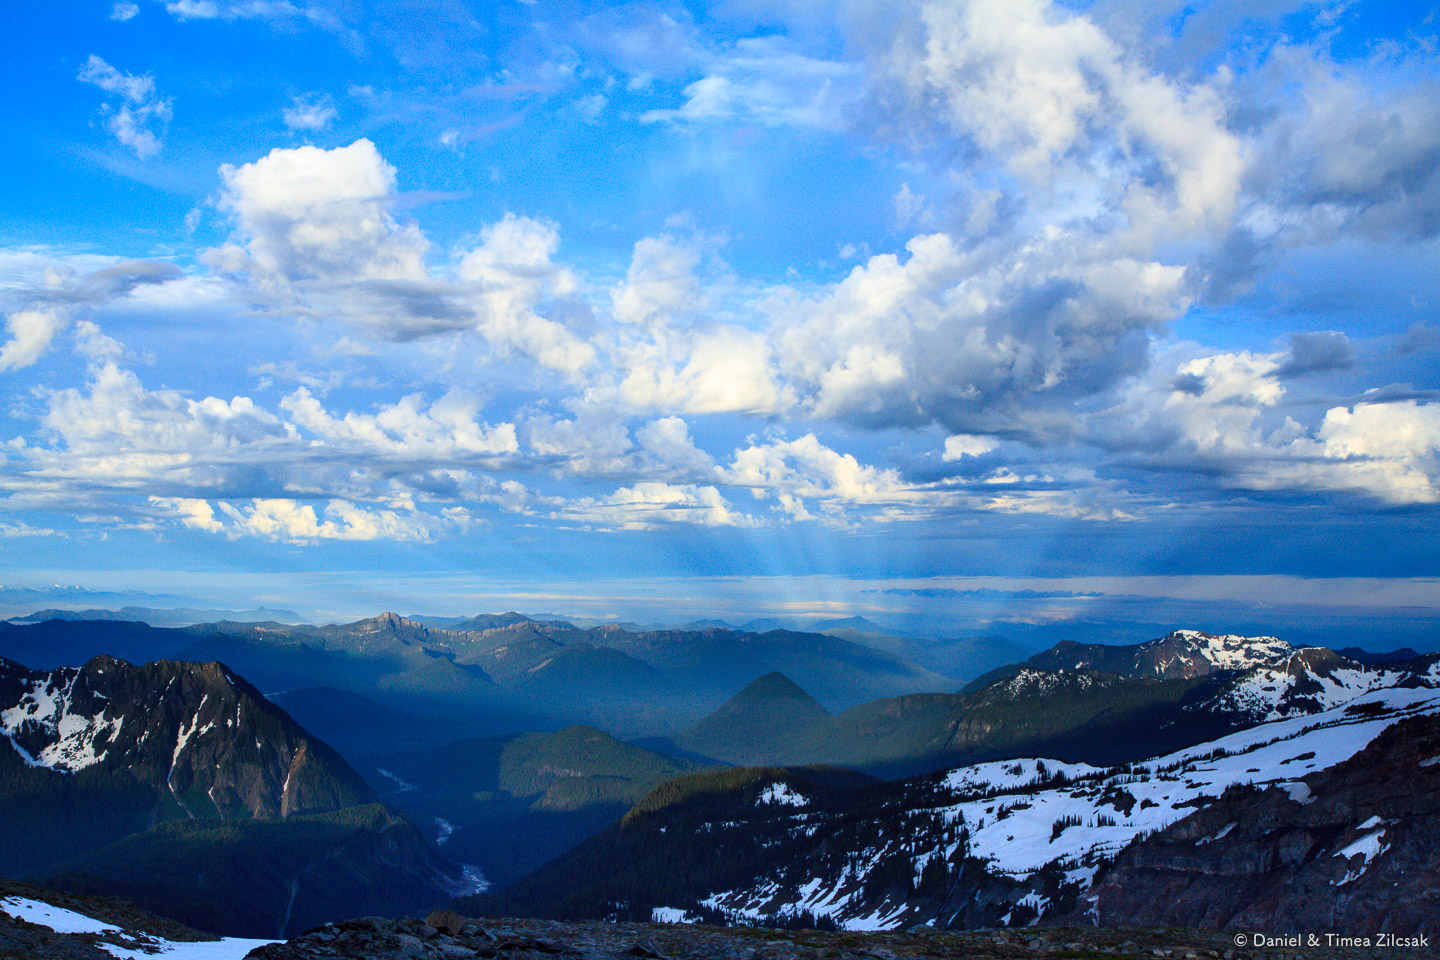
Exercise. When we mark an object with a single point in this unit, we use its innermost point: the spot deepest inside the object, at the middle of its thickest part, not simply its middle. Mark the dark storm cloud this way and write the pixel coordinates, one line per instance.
(1317, 352)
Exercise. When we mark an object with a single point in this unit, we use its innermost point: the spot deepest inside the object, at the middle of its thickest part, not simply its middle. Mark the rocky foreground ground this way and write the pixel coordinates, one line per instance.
(446, 936)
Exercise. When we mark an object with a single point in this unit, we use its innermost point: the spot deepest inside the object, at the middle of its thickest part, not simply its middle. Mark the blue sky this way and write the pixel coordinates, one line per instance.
(733, 308)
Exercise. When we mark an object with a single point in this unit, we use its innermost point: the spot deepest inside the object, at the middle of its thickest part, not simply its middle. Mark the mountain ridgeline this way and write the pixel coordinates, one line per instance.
(501, 673)
(165, 740)
(1082, 703)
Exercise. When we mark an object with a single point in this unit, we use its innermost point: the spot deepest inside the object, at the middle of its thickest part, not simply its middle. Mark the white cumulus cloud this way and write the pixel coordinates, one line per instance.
(141, 111)
(446, 428)
(307, 213)
(651, 504)
(31, 332)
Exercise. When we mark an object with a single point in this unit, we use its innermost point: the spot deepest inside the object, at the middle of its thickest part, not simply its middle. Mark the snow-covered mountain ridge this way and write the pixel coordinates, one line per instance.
(1238, 681)
(1187, 649)
(1180, 653)
(1309, 680)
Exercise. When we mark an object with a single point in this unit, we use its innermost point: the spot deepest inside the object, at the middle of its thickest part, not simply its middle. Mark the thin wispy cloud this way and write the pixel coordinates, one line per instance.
(310, 113)
(140, 118)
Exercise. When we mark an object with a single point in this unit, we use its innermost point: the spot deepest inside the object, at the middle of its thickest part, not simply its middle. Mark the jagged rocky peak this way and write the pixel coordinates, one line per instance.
(202, 737)
(1221, 651)
(389, 621)
(1180, 654)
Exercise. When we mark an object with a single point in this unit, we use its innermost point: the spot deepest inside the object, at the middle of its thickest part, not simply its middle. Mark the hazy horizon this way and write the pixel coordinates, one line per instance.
(1384, 614)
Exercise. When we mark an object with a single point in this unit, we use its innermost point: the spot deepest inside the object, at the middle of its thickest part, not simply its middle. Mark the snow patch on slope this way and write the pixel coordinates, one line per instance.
(1031, 681)
(1003, 776)
(781, 794)
(56, 918)
(144, 947)
(47, 707)
(1159, 792)
(1369, 846)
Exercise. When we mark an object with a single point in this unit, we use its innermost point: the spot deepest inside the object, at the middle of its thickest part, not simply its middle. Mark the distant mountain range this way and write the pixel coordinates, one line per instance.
(163, 616)
(508, 671)
(1088, 703)
(16, 599)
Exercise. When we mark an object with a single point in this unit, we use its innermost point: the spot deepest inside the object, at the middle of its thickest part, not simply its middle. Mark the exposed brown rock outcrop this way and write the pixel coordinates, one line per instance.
(1354, 851)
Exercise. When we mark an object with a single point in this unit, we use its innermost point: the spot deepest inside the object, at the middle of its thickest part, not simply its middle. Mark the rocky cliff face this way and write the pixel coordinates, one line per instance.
(1352, 849)
(204, 740)
(90, 755)
(180, 787)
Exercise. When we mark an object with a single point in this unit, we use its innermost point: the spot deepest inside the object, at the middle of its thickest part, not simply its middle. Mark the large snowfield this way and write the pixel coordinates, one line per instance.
(1019, 840)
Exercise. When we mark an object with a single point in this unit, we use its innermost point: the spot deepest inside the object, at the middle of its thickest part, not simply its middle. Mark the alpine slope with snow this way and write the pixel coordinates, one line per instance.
(1018, 830)
(38, 927)
(1305, 681)
(1041, 829)
(1351, 847)
(1007, 842)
